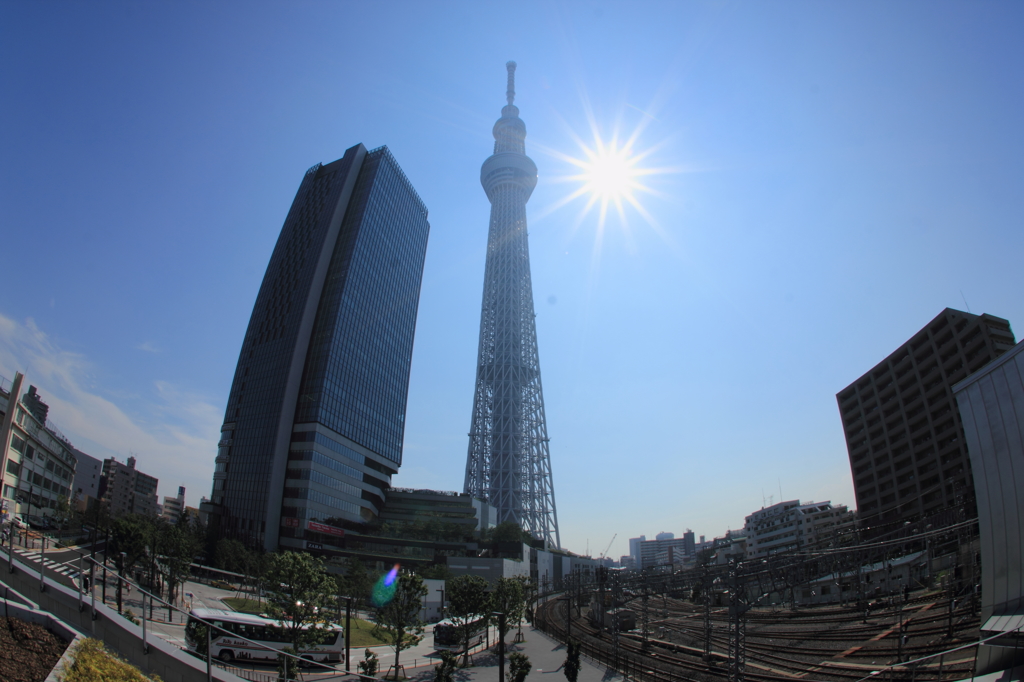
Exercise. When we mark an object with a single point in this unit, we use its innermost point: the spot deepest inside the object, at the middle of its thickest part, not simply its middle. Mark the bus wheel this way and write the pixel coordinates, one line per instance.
(305, 662)
(227, 656)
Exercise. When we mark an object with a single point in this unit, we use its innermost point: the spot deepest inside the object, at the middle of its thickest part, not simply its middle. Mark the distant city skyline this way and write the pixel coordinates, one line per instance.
(830, 177)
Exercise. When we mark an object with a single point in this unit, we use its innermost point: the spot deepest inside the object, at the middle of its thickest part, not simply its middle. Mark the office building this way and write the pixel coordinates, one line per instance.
(315, 417)
(37, 463)
(126, 490)
(508, 463)
(634, 549)
(903, 430)
(991, 403)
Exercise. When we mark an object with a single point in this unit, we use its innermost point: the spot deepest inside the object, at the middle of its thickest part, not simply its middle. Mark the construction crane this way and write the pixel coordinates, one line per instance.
(609, 546)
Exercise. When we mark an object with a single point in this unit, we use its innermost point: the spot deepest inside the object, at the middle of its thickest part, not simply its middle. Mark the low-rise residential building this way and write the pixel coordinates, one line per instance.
(37, 463)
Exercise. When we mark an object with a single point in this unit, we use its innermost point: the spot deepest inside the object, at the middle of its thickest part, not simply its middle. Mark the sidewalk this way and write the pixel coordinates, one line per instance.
(546, 659)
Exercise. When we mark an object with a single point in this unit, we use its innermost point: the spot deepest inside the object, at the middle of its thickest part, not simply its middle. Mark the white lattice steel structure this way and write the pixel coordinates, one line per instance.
(509, 464)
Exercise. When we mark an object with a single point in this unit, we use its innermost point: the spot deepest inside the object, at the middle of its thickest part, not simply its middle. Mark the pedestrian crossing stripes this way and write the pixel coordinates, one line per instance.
(62, 568)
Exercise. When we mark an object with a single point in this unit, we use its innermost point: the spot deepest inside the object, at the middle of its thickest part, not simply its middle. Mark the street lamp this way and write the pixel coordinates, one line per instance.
(501, 645)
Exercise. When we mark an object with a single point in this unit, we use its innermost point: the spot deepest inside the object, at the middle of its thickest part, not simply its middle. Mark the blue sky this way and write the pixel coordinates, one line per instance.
(841, 172)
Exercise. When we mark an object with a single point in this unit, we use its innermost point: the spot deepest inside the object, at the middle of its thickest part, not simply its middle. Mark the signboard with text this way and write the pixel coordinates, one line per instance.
(325, 529)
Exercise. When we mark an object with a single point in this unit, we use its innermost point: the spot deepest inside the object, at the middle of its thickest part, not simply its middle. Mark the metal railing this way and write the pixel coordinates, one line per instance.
(122, 582)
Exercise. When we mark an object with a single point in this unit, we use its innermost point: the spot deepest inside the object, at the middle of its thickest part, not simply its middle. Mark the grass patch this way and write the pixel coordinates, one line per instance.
(245, 605)
(363, 634)
(93, 662)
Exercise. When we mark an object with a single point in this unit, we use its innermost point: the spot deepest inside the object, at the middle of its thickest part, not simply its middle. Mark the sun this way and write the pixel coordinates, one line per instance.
(610, 173)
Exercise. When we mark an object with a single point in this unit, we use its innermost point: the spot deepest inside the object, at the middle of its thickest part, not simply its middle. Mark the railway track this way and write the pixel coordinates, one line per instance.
(826, 644)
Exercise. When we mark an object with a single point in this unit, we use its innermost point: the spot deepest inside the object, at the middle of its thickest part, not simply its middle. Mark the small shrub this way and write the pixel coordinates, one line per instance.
(572, 661)
(131, 616)
(369, 666)
(518, 666)
(445, 670)
(94, 662)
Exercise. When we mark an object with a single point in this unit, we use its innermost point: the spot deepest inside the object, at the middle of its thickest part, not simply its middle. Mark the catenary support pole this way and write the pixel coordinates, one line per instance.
(145, 642)
(348, 634)
(42, 558)
(81, 584)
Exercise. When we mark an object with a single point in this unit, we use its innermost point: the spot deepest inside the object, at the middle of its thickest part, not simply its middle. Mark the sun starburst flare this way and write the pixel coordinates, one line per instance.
(610, 174)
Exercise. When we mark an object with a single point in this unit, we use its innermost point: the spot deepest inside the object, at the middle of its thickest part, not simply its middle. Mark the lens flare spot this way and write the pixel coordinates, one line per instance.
(384, 590)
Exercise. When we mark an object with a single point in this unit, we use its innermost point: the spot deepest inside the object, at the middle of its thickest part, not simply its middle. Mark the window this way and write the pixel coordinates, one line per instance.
(17, 444)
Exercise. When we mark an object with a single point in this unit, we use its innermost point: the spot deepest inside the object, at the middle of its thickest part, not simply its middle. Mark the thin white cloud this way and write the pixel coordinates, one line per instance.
(148, 346)
(173, 432)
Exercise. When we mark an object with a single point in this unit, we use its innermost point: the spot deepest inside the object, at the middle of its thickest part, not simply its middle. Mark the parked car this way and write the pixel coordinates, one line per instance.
(36, 522)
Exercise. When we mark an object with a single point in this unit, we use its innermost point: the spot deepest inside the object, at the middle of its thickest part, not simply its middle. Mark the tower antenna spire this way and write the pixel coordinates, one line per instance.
(510, 93)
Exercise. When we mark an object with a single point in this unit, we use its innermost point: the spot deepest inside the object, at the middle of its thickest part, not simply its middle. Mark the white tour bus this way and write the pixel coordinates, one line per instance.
(448, 637)
(229, 626)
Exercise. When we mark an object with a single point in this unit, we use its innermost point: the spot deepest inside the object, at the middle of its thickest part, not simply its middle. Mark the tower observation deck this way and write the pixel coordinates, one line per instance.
(509, 463)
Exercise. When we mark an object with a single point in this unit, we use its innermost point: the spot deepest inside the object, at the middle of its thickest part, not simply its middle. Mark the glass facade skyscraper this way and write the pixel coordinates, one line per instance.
(316, 414)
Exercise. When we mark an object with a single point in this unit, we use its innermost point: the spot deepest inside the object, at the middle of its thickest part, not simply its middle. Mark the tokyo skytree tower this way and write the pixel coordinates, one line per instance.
(508, 462)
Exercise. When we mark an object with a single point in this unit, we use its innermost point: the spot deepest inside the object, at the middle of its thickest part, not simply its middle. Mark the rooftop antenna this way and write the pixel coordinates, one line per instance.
(961, 292)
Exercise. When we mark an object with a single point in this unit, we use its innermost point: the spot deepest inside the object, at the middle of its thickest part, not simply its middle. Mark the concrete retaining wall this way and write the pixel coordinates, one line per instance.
(117, 633)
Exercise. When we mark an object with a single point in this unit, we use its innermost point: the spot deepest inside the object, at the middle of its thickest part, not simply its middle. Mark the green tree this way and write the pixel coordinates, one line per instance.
(467, 602)
(299, 588)
(508, 598)
(63, 512)
(287, 667)
(510, 531)
(178, 547)
(571, 668)
(437, 572)
(230, 555)
(130, 539)
(518, 667)
(401, 615)
(357, 581)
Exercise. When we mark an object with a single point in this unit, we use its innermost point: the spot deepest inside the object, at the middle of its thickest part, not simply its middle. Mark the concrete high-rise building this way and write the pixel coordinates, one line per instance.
(174, 507)
(126, 490)
(903, 431)
(790, 526)
(315, 418)
(88, 474)
(509, 463)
